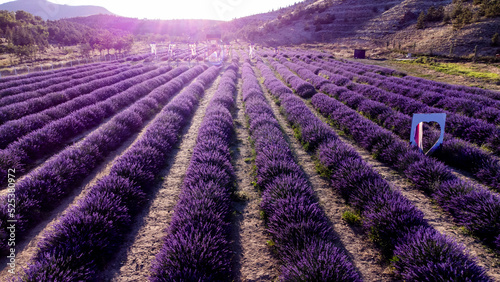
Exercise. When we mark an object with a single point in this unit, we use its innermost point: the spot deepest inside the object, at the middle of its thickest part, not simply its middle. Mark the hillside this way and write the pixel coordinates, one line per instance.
(374, 24)
(52, 11)
(189, 29)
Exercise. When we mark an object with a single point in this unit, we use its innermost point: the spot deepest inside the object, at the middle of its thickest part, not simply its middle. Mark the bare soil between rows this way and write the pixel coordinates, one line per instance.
(253, 259)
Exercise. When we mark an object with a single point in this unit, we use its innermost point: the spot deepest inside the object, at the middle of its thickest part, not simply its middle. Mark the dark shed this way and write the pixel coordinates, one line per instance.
(359, 54)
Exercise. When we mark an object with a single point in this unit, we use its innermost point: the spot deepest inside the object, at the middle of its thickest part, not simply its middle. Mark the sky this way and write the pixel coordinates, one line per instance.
(183, 9)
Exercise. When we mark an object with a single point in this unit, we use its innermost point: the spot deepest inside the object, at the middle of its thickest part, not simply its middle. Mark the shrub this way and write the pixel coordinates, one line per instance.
(461, 15)
(421, 20)
(435, 14)
(494, 39)
(427, 255)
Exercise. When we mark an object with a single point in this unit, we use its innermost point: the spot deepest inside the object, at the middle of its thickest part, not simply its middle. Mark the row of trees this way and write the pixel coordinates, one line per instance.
(27, 36)
(462, 12)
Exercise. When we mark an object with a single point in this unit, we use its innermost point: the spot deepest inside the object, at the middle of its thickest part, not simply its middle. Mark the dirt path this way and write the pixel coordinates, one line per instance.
(133, 261)
(437, 218)
(253, 260)
(362, 252)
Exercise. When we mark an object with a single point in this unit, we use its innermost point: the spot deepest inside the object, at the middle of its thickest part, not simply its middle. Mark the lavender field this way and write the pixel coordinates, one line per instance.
(294, 166)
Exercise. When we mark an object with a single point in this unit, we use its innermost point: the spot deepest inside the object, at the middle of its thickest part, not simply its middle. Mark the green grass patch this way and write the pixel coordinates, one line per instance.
(262, 214)
(458, 69)
(297, 133)
(270, 243)
(351, 217)
(454, 69)
(322, 170)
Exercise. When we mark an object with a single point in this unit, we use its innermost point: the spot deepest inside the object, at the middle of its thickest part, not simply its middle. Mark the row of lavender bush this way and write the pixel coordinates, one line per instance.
(355, 67)
(472, 206)
(477, 94)
(197, 246)
(455, 152)
(37, 104)
(454, 101)
(474, 93)
(20, 85)
(54, 85)
(482, 221)
(304, 89)
(139, 57)
(10, 81)
(301, 232)
(13, 130)
(460, 99)
(20, 154)
(42, 190)
(87, 236)
(419, 252)
(470, 129)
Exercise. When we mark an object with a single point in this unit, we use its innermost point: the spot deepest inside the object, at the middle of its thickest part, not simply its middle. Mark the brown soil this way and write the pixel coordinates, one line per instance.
(362, 252)
(253, 259)
(133, 260)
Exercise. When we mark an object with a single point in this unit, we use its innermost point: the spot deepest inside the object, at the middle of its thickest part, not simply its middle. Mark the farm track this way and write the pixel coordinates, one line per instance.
(362, 252)
(436, 217)
(133, 261)
(254, 260)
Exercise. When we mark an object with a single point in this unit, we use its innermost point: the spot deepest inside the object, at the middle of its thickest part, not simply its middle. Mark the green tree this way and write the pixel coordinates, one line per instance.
(421, 21)
(124, 43)
(461, 15)
(24, 52)
(107, 40)
(9, 34)
(435, 14)
(25, 17)
(7, 19)
(22, 37)
(85, 49)
(489, 8)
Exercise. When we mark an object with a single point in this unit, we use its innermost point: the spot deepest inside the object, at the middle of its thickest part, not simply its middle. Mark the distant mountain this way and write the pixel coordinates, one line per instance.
(51, 11)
